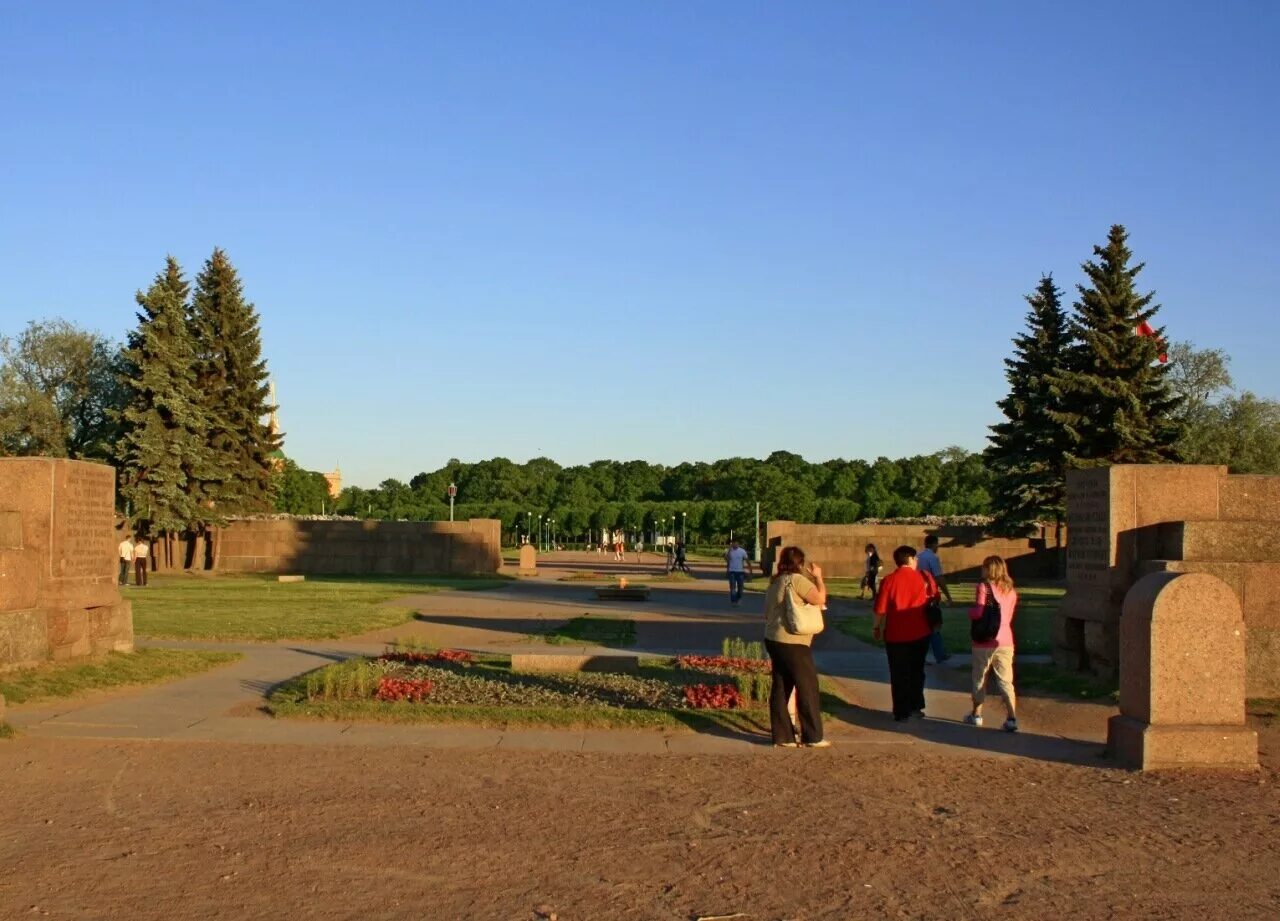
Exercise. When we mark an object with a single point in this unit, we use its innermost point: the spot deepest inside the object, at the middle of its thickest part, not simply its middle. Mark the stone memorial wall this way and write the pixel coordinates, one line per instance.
(1128, 521)
(58, 593)
(335, 547)
(839, 548)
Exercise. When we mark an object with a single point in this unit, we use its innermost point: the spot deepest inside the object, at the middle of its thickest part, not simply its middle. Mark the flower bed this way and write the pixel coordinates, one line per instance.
(723, 664)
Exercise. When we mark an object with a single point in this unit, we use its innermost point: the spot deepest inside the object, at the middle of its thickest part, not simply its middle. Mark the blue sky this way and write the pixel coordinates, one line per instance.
(661, 230)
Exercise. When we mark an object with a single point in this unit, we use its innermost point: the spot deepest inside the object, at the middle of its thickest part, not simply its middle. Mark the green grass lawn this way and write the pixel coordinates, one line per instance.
(257, 607)
(593, 630)
(577, 700)
(1032, 624)
(116, 669)
(7, 731)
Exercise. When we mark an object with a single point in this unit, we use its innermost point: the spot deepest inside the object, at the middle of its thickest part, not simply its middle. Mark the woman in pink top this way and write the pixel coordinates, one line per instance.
(995, 657)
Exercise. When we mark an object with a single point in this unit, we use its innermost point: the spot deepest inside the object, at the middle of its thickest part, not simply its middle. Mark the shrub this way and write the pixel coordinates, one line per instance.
(733, 647)
(753, 687)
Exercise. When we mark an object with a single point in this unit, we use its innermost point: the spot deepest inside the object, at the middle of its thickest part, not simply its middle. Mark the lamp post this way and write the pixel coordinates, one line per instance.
(528, 531)
(684, 517)
(539, 533)
(453, 491)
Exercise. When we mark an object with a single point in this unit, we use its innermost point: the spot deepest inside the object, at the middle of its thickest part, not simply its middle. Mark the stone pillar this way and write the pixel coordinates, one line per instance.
(528, 560)
(1182, 676)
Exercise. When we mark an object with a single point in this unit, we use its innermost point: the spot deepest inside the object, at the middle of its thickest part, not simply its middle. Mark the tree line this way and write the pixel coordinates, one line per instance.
(705, 501)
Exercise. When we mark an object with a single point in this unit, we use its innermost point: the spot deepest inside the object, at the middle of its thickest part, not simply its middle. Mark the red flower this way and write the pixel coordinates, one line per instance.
(403, 689)
(734, 664)
(716, 697)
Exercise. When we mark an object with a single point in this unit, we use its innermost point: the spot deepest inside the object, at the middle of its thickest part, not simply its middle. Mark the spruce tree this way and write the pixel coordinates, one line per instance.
(231, 378)
(1115, 404)
(1028, 451)
(161, 451)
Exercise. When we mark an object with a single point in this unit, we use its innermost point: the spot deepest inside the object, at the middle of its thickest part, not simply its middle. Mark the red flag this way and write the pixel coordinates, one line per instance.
(1144, 329)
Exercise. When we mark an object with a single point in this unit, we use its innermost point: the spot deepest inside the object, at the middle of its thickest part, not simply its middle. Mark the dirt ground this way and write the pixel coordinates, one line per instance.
(170, 830)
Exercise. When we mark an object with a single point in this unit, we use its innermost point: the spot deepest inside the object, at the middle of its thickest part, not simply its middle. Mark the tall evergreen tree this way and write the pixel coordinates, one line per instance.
(1028, 451)
(231, 377)
(162, 450)
(1115, 403)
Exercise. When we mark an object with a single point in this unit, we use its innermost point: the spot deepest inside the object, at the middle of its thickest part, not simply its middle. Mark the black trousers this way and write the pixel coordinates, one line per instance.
(124, 571)
(906, 675)
(793, 668)
(140, 571)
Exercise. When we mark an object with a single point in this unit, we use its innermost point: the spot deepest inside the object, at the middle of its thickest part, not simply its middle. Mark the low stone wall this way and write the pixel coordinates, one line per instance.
(319, 547)
(839, 549)
(58, 593)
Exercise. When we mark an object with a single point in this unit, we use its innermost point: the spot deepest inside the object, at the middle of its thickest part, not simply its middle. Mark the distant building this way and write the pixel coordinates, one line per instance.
(334, 480)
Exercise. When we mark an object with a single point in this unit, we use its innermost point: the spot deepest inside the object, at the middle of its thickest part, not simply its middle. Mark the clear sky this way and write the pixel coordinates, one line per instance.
(675, 231)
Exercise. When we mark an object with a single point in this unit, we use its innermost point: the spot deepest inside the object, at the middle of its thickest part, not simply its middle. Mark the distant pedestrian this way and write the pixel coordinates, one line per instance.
(671, 558)
(681, 563)
(639, 551)
(994, 656)
(125, 551)
(901, 623)
(617, 547)
(738, 565)
(141, 552)
(927, 561)
(870, 572)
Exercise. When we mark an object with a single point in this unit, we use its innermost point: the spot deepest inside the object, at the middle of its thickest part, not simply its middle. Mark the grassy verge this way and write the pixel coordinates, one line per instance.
(257, 607)
(116, 669)
(1032, 625)
(593, 630)
(590, 700)
(7, 731)
(1056, 680)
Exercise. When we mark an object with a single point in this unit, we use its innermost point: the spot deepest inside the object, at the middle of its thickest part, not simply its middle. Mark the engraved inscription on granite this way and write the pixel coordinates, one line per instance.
(83, 526)
(1089, 530)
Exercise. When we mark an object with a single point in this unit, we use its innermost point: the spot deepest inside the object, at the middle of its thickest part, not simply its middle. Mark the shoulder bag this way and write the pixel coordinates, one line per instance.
(799, 617)
(987, 626)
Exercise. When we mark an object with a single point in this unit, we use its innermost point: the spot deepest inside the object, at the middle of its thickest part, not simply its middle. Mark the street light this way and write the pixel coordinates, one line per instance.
(539, 533)
(684, 516)
(528, 535)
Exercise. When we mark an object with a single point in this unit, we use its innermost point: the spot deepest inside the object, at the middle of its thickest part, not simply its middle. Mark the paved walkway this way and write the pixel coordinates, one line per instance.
(225, 705)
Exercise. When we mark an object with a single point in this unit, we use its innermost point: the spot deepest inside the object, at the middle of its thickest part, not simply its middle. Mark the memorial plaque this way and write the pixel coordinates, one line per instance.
(1090, 545)
(83, 526)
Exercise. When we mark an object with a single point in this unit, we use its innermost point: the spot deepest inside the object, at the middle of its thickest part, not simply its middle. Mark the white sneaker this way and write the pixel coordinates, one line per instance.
(821, 743)
(973, 719)
(786, 744)
(1010, 725)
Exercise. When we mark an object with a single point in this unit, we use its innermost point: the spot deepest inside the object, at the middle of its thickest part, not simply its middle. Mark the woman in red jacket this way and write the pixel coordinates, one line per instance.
(902, 624)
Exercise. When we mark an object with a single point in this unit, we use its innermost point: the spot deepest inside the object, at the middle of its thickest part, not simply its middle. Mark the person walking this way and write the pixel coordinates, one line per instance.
(791, 655)
(639, 550)
(141, 553)
(125, 551)
(870, 572)
(738, 565)
(682, 564)
(927, 561)
(902, 624)
(994, 657)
